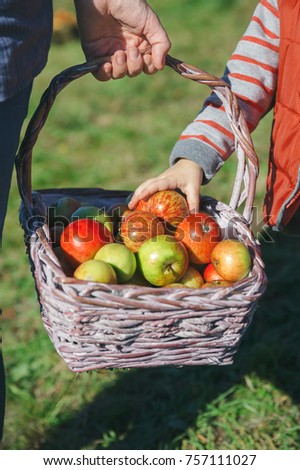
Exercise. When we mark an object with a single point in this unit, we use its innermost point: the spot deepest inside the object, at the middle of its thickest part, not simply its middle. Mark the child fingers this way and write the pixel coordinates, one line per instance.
(149, 187)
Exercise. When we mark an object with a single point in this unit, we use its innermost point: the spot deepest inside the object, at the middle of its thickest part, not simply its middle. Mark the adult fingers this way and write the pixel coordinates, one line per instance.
(149, 67)
(134, 61)
(158, 40)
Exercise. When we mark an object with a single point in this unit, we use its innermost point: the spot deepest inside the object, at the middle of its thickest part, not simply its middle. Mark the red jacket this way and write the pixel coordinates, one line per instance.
(283, 182)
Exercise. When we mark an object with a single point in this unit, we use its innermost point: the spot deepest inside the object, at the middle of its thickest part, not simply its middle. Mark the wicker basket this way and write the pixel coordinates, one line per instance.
(95, 326)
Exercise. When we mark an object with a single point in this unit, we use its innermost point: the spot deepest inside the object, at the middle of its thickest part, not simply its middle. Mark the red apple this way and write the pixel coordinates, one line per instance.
(142, 205)
(138, 227)
(168, 205)
(200, 233)
(82, 239)
(162, 260)
(231, 259)
(210, 274)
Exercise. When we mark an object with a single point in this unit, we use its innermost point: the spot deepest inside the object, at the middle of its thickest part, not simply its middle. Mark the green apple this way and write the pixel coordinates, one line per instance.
(139, 280)
(162, 260)
(96, 271)
(120, 257)
(192, 278)
(175, 285)
(61, 211)
(93, 212)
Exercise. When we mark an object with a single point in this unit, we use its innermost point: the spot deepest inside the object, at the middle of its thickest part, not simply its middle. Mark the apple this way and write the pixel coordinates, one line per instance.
(95, 213)
(200, 233)
(139, 280)
(210, 274)
(231, 260)
(138, 227)
(60, 212)
(142, 205)
(162, 260)
(192, 278)
(215, 284)
(118, 213)
(120, 258)
(96, 271)
(82, 239)
(175, 285)
(169, 205)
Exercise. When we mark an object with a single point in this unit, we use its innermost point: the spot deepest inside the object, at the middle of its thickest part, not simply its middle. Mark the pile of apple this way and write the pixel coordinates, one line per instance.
(159, 243)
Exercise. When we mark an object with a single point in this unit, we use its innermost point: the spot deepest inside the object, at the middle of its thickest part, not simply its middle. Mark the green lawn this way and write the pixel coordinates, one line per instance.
(134, 123)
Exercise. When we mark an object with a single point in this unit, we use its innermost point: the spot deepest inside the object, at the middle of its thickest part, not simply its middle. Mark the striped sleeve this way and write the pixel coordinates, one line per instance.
(252, 74)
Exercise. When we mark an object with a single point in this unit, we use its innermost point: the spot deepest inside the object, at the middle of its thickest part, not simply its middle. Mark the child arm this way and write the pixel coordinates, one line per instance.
(252, 74)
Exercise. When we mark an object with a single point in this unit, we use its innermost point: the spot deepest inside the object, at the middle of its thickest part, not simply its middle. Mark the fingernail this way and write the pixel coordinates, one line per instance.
(133, 54)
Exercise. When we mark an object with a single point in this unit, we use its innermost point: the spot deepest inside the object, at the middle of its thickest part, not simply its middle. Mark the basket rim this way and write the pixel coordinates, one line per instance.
(257, 272)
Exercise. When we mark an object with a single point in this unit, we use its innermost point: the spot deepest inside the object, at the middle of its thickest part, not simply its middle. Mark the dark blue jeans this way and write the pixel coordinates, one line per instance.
(12, 114)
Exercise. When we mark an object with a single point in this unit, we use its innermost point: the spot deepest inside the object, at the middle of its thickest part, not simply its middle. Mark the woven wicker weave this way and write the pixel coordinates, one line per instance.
(93, 325)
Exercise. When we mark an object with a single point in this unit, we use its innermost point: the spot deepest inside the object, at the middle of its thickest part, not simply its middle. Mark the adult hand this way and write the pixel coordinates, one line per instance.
(123, 29)
(185, 175)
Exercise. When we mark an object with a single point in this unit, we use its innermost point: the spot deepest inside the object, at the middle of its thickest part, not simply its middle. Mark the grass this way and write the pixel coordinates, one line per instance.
(253, 404)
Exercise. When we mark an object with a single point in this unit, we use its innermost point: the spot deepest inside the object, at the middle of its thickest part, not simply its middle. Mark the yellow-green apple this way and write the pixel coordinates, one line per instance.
(139, 227)
(95, 213)
(162, 260)
(121, 258)
(210, 274)
(96, 271)
(169, 205)
(60, 212)
(82, 239)
(139, 280)
(215, 284)
(192, 278)
(175, 285)
(200, 233)
(231, 259)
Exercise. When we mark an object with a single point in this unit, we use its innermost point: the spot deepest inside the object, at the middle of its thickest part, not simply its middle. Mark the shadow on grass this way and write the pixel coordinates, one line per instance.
(149, 409)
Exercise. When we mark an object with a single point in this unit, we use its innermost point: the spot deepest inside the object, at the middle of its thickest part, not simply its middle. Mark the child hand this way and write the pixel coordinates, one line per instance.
(185, 175)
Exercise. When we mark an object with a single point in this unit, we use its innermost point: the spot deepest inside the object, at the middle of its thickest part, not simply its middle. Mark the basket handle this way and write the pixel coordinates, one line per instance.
(247, 168)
